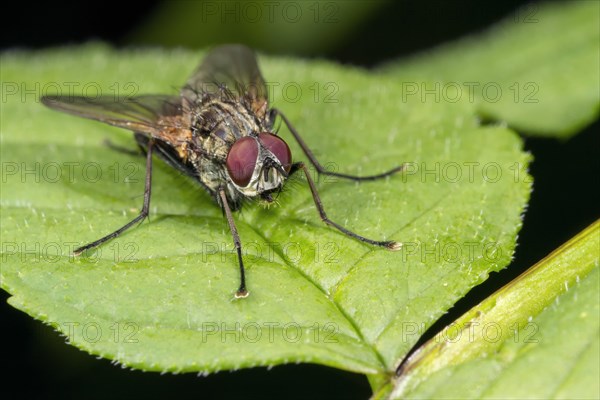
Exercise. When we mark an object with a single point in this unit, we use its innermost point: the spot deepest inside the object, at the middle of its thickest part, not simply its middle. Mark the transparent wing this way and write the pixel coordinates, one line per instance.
(139, 114)
(235, 68)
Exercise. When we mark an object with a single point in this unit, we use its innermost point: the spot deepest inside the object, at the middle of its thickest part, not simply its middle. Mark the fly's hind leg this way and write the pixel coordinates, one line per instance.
(313, 160)
(143, 213)
(388, 244)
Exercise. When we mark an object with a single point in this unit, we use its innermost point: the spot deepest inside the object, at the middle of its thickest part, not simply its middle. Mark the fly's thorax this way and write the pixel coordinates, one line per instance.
(227, 120)
(217, 123)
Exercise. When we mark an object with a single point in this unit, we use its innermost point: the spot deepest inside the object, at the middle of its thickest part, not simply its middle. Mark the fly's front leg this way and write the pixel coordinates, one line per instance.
(388, 244)
(143, 213)
(313, 160)
(242, 292)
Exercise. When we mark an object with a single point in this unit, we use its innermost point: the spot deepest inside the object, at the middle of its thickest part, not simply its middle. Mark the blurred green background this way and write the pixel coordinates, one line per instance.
(361, 33)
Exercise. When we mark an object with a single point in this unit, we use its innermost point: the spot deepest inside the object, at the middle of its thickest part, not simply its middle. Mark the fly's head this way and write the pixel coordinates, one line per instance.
(258, 165)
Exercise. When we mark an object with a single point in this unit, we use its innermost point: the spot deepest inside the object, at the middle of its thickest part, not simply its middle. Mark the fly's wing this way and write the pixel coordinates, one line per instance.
(235, 68)
(139, 114)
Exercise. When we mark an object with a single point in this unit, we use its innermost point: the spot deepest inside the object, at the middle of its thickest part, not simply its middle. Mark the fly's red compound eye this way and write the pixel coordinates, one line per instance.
(241, 160)
(279, 148)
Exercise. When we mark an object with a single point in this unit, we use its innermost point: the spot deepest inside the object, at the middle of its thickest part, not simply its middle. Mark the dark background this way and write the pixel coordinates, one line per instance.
(561, 205)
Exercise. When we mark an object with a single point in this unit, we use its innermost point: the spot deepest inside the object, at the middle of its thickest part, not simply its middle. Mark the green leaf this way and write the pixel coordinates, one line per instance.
(537, 70)
(160, 297)
(538, 337)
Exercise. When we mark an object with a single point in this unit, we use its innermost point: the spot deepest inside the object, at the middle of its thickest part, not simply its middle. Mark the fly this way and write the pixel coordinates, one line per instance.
(219, 131)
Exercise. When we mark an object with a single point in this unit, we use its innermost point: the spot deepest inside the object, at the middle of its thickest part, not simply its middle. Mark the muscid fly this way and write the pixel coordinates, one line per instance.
(219, 131)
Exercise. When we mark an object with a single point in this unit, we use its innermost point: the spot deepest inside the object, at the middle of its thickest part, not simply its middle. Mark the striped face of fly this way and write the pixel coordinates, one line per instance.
(259, 164)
